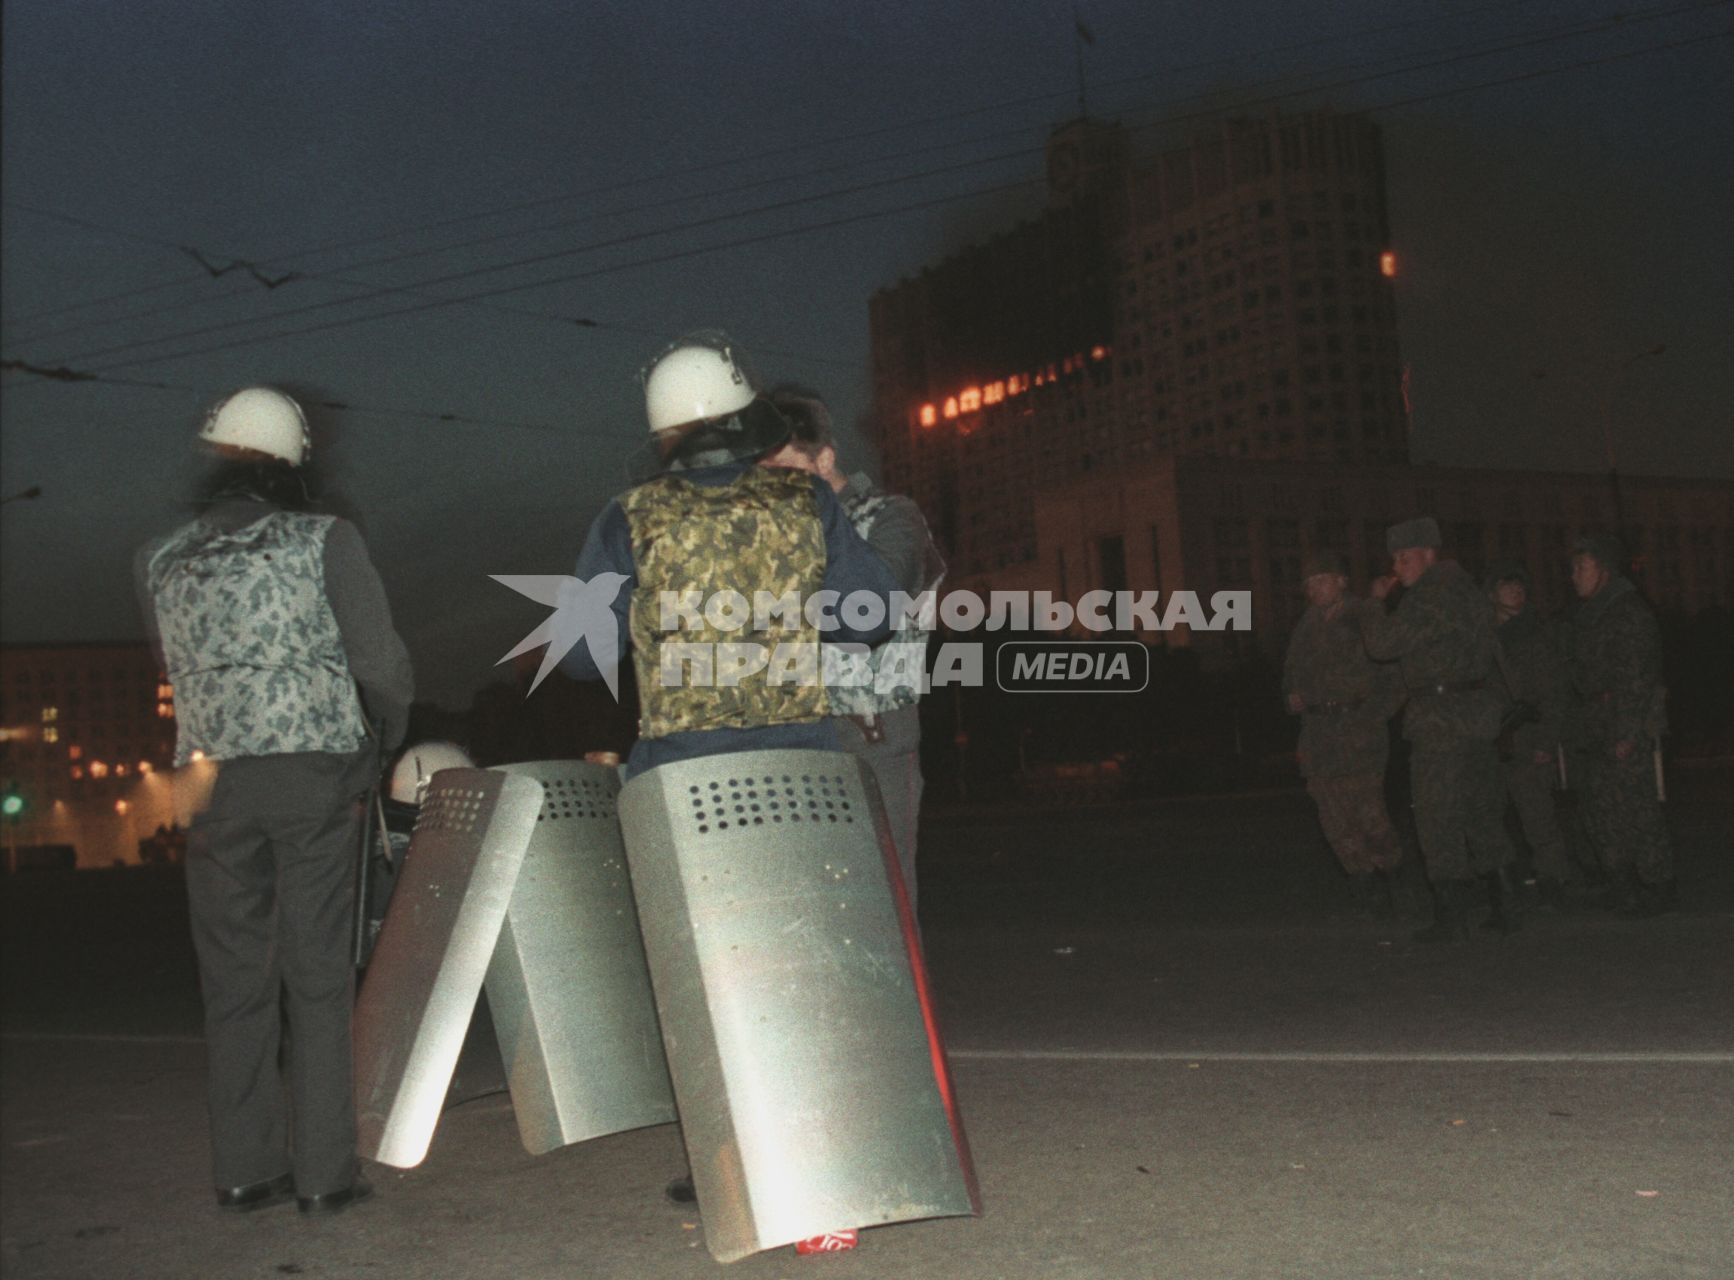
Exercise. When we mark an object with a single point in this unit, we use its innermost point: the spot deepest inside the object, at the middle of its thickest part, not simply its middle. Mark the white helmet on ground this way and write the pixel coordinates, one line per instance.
(262, 419)
(699, 379)
(418, 764)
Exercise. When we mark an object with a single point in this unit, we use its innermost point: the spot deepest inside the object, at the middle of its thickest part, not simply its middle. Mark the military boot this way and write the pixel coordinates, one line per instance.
(1621, 891)
(1362, 892)
(1450, 914)
(1653, 900)
(1384, 893)
(1549, 896)
(1507, 914)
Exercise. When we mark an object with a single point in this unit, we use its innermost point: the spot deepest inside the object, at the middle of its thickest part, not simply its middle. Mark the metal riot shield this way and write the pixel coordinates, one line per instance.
(432, 953)
(568, 986)
(813, 1089)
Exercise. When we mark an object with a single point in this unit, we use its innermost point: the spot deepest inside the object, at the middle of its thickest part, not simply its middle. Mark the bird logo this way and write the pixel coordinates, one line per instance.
(582, 611)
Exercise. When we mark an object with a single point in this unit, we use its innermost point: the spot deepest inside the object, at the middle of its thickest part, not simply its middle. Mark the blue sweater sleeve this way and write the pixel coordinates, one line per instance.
(851, 565)
(607, 549)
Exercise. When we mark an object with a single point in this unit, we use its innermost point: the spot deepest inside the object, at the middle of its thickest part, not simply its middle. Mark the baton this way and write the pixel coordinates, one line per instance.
(359, 949)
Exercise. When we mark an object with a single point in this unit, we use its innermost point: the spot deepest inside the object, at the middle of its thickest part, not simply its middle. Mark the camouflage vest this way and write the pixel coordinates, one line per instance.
(760, 533)
(888, 676)
(251, 644)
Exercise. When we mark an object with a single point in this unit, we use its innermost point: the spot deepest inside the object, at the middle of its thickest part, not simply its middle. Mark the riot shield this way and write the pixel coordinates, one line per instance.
(568, 986)
(432, 954)
(813, 1089)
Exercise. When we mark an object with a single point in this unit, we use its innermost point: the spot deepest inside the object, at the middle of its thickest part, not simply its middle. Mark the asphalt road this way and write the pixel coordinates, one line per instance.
(1178, 1055)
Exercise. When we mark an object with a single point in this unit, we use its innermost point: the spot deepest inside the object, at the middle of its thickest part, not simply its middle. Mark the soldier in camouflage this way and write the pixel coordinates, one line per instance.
(1615, 659)
(874, 692)
(1529, 741)
(1345, 701)
(1441, 635)
(289, 682)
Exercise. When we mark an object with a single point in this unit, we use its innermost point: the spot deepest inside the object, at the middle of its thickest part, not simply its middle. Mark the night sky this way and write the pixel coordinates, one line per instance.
(528, 198)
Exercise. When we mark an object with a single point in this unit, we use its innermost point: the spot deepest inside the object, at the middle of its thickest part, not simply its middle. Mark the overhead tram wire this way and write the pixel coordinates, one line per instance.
(1528, 41)
(468, 420)
(1475, 49)
(874, 215)
(280, 260)
(339, 406)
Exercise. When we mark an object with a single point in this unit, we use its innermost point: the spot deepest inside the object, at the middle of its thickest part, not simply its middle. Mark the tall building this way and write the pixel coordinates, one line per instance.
(1228, 298)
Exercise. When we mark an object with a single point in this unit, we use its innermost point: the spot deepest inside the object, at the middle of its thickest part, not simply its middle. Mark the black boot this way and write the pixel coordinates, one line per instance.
(1621, 892)
(1362, 892)
(1507, 914)
(1450, 914)
(1653, 900)
(1410, 894)
(1384, 905)
(1549, 896)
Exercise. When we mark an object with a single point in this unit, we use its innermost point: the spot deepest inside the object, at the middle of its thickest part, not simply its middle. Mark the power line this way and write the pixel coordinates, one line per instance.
(1473, 50)
(833, 224)
(1529, 40)
(774, 153)
(455, 419)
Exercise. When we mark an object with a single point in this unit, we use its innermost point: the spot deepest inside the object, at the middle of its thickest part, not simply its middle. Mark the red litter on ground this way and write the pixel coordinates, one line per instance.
(830, 1242)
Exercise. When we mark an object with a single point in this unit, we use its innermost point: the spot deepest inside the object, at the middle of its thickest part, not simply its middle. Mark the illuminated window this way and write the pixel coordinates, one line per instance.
(929, 416)
(98, 769)
(165, 691)
(1098, 352)
(993, 393)
(75, 753)
(120, 771)
(144, 766)
(121, 806)
(1387, 263)
(951, 406)
(51, 734)
(970, 400)
(78, 773)
(50, 714)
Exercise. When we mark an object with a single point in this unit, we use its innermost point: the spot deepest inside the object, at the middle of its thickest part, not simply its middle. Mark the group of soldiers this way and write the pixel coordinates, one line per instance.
(1502, 708)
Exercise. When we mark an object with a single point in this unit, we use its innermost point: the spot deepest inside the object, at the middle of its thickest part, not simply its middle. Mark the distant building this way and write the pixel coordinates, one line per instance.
(1184, 374)
(87, 727)
(1229, 298)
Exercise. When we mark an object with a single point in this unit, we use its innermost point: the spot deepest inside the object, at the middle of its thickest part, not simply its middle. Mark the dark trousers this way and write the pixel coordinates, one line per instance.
(271, 868)
(896, 763)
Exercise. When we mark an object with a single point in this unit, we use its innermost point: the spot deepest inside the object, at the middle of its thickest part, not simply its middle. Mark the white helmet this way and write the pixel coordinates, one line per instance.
(262, 419)
(417, 766)
(698, 379)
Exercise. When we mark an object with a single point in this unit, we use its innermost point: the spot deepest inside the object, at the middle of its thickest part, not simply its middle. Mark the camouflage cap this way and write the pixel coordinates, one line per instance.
(1422, 531)
(1506, 571)
(1320, 562)
(1604, 548)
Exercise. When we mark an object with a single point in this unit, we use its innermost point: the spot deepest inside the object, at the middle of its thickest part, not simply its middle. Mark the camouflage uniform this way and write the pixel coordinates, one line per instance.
(1535, 675)
(1441, 635)
(1343, 740)
(1616, 665)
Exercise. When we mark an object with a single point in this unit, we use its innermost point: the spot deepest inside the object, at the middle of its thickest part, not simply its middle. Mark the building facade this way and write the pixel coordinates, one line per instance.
(1229, 298)
(1214, 524)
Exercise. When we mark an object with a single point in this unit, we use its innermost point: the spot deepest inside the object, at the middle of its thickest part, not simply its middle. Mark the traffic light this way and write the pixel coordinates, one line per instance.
(12, 805)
